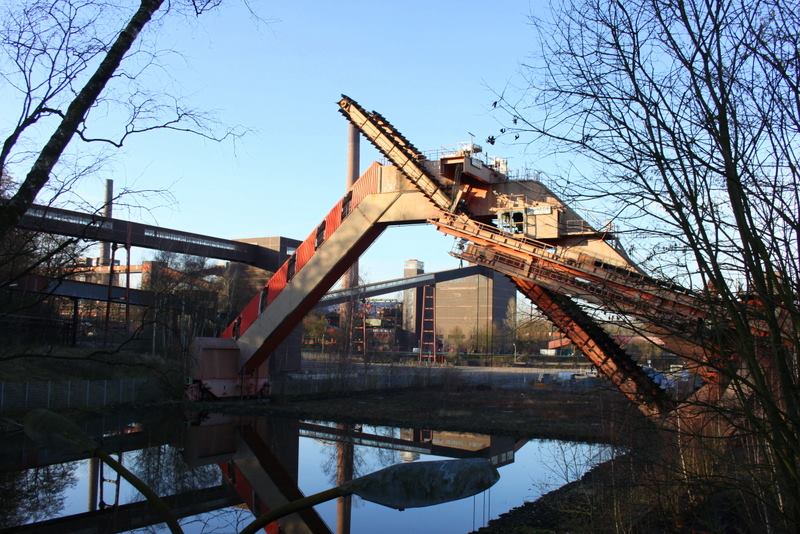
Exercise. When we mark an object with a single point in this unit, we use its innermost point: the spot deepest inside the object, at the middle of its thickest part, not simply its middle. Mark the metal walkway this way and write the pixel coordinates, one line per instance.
(95, 227)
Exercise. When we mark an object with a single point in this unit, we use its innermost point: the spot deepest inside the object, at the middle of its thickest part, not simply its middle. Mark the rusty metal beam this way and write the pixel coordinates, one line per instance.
(273, 485)
(396, 148)
(563, 270)
(598, 347)
(262, 342)
(355, 234)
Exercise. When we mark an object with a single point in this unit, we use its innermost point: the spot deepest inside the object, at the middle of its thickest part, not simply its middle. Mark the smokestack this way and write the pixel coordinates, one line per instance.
(105, 248)
(353, 160)
(350, 278)
(353, 155)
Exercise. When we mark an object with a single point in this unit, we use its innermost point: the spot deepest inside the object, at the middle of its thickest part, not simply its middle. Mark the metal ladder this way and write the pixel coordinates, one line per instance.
(427, 331)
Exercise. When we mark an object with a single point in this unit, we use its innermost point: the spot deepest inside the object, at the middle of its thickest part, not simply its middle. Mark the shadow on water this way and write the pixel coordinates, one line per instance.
(217, 472)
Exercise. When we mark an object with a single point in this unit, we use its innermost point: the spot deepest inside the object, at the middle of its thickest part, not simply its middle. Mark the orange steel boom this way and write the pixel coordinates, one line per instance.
(545, 247)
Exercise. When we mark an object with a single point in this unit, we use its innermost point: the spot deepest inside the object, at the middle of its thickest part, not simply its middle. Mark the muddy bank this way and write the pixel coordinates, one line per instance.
(592, 504)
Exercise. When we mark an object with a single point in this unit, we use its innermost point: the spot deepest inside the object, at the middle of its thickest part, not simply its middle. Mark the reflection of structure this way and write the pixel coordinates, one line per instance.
(117, 434)
(411, 443)
(548, 250)
(499, 449)
(263, 469)
(474, 314)
(135, 515)
(258, 458)
(344, 473)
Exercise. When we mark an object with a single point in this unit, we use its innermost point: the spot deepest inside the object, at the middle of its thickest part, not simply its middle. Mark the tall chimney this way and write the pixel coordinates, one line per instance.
(353, 159)
(350, 278)
(105, 247)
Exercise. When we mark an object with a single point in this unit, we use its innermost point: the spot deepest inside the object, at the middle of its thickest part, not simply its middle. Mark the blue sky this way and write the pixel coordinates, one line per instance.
(430, 67)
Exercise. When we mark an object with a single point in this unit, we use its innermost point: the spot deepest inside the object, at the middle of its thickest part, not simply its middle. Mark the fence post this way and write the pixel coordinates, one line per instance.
(69, 392)
(26, 395)
(49, 391)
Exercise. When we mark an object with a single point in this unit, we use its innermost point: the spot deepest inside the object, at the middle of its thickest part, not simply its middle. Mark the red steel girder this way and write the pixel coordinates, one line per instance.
(703, 361)
(310, 300)
(598, 347)
(575, 271)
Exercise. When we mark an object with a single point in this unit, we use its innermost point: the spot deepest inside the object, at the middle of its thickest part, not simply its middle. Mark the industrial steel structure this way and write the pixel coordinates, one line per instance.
(518, 228)
(515, 227)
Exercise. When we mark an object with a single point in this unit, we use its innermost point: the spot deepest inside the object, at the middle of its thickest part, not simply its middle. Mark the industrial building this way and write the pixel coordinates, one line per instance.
(475, 314)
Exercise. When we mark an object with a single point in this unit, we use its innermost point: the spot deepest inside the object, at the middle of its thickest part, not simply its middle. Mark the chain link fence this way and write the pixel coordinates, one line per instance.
(17, 396)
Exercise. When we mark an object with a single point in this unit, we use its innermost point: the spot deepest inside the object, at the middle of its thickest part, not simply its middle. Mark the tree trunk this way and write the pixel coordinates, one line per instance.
(39, 173)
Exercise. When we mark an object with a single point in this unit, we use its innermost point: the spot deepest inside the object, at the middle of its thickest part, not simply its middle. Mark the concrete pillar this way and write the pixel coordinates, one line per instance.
(412, 305)
(94, 480)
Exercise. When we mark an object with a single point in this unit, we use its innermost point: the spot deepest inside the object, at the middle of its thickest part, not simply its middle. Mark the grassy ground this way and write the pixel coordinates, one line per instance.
(47, 363)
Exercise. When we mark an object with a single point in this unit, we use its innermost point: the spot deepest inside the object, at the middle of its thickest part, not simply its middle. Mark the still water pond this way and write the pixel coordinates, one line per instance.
(214, 471)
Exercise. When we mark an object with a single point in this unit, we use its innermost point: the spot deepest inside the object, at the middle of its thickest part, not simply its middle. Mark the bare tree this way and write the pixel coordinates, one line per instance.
(686, 114)
(31, 495)
(66, 58)
(77, 74)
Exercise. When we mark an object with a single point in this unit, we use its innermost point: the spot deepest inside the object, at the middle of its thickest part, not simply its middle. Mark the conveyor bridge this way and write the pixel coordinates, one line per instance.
(548, 260)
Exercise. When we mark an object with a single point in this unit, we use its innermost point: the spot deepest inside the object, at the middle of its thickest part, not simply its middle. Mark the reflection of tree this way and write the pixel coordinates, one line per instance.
(330, 460)
(223, 521)
(386, 457)
(569, 461)
(365, 459)
(586, 507)
(163, 469)
(34, 494)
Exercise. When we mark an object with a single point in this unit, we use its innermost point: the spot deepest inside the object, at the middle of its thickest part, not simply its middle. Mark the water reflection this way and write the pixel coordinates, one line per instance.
(216, 471)
(31, 495)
